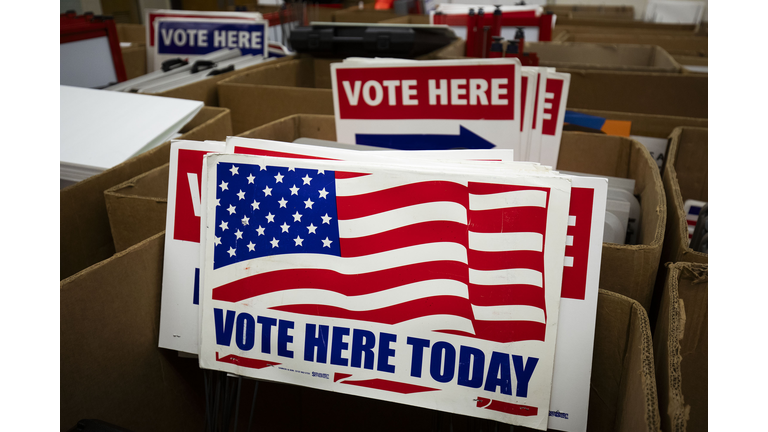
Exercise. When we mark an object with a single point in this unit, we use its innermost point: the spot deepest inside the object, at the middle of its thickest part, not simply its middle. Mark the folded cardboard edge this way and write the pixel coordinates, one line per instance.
(638, 321)
(678, 413)
(683, 252)
(64, 282)
(115, 191)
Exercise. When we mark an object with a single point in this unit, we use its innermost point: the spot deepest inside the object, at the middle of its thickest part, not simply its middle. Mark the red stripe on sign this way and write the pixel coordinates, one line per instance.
(460, 92)
(509, 220)
(347, 175)
(340, 376)
(575, 277)
(551, 113)
(186, 226)
(482, 260)
(357, 206)
(245, 361)
(347, 284)
(499, 295)
(523, 95)
(391, 386)
(506, 407)
(409, 235)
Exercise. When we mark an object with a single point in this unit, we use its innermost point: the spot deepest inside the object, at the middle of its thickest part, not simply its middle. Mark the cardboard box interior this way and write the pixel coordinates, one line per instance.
(206, 90)
(681, 95)
(583, 55)
(681, 345)
(298, 85)
(137, 207)
(86, 237)
(110, 366)
(685, 177)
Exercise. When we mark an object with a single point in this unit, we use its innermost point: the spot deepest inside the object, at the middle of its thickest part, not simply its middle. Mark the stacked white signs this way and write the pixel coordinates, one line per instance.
(387, 274)
(444, 104)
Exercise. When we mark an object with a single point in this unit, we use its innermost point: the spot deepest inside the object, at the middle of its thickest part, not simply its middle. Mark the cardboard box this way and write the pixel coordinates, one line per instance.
(673, 44)
(625, 25)
(137, 207)
(685, 177)
(648, 125)
(622, 394)
(583, 55)
(86, 237)
(110, 366)
(627, 269)
(300, 85)
(135, 60)
(206, 90)
(681, 95)
(123, 11)
(134, 33)
(680, 349)
(586, 56)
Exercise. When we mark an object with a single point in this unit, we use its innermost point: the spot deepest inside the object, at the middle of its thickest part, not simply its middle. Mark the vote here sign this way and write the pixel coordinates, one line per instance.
(195, 37)
(428, 105)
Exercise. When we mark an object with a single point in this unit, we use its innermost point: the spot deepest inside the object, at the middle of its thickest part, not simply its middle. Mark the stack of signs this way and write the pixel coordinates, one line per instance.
(192, 34)
(181, 72)
(622, 212)
(430, 278)
(449, 104)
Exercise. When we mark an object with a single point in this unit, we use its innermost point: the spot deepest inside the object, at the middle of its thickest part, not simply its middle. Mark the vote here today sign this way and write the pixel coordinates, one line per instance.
(395, 283)
(428, 105)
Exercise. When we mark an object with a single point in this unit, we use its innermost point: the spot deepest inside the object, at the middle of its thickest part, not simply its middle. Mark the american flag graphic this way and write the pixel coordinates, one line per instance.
(457, 257)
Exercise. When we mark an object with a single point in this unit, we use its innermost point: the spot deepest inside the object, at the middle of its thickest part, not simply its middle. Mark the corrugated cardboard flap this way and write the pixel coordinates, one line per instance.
(137, 207)
(111, 368)
(681, 348)
(685, 177)
(299, 85)
(623, 386)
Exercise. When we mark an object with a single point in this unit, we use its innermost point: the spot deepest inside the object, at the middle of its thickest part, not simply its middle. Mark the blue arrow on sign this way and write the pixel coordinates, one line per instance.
(466, 139)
